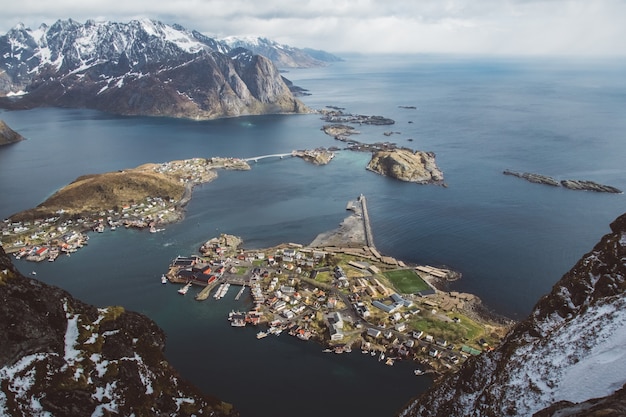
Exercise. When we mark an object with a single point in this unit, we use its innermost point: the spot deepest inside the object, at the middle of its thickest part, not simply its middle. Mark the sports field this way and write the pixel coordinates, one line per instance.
(406, 281)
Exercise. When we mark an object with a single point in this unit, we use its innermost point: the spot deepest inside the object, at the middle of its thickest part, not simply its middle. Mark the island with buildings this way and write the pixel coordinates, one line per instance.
(146, 197)
(339, 291)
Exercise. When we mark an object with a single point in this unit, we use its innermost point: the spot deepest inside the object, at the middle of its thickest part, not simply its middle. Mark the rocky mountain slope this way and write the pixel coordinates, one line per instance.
(8, 135)
(568, 358)
(143, 67)
(61, 357)
(284, 56)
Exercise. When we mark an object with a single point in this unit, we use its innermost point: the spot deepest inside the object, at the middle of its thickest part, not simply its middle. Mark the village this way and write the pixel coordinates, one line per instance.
(35, 237)
(343, 298)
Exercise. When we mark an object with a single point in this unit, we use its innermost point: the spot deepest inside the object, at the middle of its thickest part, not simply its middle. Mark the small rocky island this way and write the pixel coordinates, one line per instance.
(569, 184)
(387, 158)
(406, 165)
(8, 135)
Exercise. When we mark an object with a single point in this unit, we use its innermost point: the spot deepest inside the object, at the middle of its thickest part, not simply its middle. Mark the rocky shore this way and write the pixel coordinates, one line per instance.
(62, 357)
(403, 164)
(8, 135)
(569, 184)
(388, 159)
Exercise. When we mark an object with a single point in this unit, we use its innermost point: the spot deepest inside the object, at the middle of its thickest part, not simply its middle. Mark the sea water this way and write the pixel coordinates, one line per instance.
(511, 240)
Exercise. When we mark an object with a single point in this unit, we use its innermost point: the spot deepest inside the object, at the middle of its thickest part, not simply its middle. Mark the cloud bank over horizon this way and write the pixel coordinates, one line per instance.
(505, 27)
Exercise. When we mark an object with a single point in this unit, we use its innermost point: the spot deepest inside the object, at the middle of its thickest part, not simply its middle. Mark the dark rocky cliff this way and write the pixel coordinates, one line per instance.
(568, 358)
(62, 357)
(8, 135)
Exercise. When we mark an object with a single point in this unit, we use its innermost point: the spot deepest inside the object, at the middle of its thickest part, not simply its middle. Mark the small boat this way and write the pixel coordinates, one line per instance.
(184, 290)
(261, 335)
(163, 279)
(33, 273)
(382, 356)
(418, 372)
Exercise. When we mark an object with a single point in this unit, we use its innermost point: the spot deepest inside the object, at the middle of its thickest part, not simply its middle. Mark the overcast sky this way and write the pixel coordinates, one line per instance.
(554, 27)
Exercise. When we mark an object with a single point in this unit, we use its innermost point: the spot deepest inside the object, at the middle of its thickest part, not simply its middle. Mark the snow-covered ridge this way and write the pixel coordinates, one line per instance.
(572, 348)
(79, 46)
(143, 67)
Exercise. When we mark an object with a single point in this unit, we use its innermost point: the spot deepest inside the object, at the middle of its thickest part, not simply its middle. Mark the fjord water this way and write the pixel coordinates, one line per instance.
(511, 240)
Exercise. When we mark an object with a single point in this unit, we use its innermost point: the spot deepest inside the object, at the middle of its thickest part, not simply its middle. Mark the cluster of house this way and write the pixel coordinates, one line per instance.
(47, 237)
(291, 305)
(51, 239)
(199, 170)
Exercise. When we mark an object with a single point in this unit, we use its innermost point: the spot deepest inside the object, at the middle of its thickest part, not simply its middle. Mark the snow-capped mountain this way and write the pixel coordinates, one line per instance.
(283, 56)
(568, 358)
(143, 67)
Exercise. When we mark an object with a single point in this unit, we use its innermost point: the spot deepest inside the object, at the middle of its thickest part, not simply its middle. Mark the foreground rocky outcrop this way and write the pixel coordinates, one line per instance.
(568, 358)
(62, 357)
(143, 67)
(570, 184)
(406, 165)
(8, 135)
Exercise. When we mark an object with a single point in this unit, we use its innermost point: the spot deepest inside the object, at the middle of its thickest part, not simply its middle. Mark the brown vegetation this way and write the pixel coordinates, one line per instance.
(109, 191)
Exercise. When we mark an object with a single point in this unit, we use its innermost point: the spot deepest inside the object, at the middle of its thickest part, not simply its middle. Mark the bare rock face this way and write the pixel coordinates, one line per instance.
(406, 165)
(568, 358)
(8, 135)
(62, 357)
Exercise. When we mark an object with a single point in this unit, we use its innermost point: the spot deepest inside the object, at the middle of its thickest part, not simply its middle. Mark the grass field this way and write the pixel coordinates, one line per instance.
(406, 281)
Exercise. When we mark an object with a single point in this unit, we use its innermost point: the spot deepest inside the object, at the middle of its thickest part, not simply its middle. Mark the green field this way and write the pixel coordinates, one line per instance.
(406, 281)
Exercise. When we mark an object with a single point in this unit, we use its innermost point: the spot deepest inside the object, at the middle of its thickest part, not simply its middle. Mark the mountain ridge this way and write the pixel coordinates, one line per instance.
(568, 355)
(143, 67)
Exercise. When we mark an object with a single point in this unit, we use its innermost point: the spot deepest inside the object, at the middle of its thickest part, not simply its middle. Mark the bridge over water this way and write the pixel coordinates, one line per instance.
(276, 155)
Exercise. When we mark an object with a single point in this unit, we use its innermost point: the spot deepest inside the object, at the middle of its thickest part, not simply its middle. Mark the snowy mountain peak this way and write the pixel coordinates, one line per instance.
(140, 67)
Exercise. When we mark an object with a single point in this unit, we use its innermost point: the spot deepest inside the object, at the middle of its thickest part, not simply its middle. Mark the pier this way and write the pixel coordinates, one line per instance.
(204, 293)
(369, 237)
(238, 296)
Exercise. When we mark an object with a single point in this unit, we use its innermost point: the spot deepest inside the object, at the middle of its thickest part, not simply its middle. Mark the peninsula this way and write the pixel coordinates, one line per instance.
(149, 196)
(339, 291)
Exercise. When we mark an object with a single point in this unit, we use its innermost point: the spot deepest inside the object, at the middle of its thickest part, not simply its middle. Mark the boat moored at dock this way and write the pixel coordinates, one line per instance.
(184, 290)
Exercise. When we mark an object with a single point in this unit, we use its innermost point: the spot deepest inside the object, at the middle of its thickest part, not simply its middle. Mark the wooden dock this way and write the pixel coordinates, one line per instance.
(238, 296)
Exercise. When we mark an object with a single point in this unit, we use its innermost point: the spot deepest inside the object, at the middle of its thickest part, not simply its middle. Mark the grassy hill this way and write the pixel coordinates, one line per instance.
(109, 191)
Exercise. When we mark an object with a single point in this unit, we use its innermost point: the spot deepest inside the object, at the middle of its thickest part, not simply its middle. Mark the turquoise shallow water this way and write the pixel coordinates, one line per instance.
(511, 240)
